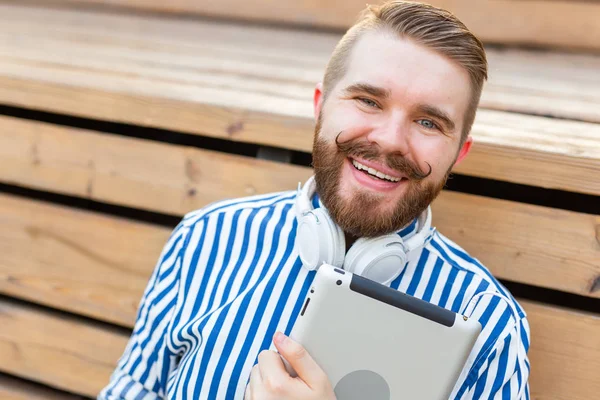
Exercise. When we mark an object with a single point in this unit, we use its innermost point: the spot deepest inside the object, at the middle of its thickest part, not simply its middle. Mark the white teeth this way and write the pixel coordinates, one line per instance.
(374, 172)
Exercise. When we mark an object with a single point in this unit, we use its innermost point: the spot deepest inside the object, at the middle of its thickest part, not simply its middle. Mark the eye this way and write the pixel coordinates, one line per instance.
(427, 123)
(368, 102)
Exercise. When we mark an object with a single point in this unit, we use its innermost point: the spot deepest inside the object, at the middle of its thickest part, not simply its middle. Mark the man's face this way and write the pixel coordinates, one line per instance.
(397, 113)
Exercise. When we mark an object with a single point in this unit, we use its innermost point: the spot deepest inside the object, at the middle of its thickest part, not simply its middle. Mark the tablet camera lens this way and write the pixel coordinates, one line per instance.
(339, 282)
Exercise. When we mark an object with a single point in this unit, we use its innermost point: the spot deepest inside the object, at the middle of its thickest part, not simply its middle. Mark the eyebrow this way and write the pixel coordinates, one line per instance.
(438, 114)
(374, 91)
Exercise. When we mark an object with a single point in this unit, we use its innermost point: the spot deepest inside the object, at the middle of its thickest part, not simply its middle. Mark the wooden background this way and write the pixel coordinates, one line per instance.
(556, 23)
(118, 117)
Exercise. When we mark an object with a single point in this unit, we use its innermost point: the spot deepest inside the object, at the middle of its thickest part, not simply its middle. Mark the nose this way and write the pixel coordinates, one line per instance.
(392, 135)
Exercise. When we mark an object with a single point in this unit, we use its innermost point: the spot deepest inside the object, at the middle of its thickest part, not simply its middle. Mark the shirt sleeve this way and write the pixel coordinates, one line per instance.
(498, 367)
(143, 369)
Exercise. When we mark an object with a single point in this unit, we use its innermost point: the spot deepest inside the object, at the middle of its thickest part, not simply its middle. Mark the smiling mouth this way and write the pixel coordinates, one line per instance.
(373, 173)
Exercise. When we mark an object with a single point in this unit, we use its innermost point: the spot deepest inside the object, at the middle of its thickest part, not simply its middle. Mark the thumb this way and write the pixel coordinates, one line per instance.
(297, 356)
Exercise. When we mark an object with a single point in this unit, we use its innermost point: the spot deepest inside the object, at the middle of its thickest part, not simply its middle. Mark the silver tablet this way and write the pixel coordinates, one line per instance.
(377, 343)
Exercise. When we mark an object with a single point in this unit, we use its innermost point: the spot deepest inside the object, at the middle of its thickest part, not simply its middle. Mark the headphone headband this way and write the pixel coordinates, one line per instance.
(305, 194)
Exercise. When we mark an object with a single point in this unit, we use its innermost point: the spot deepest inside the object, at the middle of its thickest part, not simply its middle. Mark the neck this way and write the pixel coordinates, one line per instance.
(350, 239)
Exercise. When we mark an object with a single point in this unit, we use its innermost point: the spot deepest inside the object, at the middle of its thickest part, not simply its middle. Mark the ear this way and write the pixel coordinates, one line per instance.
(318, 100)
(466, 147)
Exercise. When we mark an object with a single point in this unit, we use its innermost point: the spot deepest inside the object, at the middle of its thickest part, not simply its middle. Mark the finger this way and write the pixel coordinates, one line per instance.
(304, 365)
(255, 377)
(248, 394)
(272, 371)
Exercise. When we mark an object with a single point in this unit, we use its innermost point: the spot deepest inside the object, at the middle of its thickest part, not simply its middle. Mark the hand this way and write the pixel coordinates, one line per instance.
(270, 380)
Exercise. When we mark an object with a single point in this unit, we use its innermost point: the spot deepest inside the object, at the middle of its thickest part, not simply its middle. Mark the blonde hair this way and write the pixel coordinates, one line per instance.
(427, 25)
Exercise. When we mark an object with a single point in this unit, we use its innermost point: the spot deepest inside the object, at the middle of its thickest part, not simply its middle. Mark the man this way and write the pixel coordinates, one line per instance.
(393, 114)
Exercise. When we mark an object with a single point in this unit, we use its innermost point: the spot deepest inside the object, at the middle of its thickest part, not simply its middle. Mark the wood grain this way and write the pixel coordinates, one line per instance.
(511, 238)
(57, 350)
(132, 172)
(68, 259)
(515, 148)
(17, 389)
(272, 70)
(563, 23)
(525, 243)
(79, 357)
(531, 151)
(252, 86)
(85, 263)
(564, 353)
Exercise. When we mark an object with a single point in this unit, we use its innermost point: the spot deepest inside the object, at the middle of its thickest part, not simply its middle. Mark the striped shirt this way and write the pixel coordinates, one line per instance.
(229, 277)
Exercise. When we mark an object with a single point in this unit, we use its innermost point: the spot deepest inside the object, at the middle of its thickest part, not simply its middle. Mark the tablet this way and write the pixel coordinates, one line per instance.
(377, 343)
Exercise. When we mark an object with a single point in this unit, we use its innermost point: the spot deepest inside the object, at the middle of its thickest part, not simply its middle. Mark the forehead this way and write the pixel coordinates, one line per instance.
(410, 71)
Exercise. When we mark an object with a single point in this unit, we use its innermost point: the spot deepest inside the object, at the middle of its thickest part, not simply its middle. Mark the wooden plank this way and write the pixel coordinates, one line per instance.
(280, 63)
(532, 151)
(67, 353)
(133, 172)
(17, 389)
(564, 354)
(525, 150)
(525, 243)
(253, 87)
(534, 22)
(85, 263)
(546, 83)
(44, 248)
(511, 238)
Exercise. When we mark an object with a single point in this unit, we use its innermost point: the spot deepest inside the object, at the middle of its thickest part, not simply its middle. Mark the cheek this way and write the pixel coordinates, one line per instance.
(436, 151)
(346, 119)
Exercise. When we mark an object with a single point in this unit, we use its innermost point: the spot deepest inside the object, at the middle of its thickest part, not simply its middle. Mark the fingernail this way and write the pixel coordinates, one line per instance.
(279, 338)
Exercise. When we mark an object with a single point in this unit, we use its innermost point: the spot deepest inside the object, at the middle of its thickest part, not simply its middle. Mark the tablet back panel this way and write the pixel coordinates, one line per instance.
(377, 343)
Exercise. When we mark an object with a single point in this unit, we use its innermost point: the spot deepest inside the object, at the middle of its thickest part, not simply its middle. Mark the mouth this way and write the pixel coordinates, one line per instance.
(375, 173)
(374, 178)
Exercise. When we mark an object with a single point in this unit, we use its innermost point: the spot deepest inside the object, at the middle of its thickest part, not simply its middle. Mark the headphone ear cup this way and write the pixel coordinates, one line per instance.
(380, 259)
(338, 240)
(319, 240)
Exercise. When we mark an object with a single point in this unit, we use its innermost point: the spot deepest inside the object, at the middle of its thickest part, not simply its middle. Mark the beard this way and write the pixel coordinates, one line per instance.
(362, 214)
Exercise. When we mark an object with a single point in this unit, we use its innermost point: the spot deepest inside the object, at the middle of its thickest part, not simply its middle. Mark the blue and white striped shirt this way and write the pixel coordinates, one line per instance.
(229, 277)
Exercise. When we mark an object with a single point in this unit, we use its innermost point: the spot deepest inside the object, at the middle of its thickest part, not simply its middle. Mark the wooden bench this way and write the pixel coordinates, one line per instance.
(72, 273)
(556, 23)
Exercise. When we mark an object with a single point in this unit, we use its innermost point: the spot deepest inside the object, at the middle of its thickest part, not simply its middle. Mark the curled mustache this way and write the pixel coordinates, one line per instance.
(395, 161)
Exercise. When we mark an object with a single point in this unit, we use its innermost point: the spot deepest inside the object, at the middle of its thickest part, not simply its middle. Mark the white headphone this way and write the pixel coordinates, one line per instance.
(319, 240)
